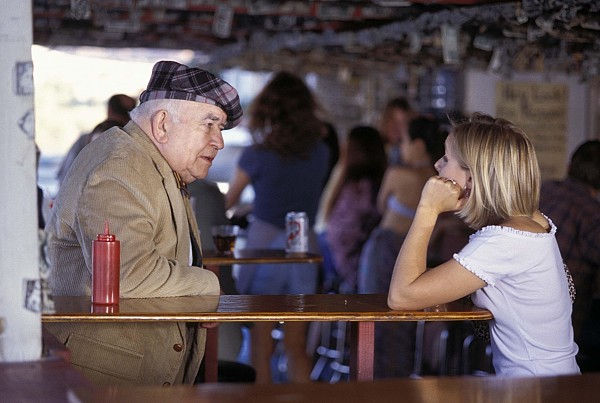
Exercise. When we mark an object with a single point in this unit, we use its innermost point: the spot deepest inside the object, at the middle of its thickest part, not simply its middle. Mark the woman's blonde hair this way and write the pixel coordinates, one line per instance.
(503, 166)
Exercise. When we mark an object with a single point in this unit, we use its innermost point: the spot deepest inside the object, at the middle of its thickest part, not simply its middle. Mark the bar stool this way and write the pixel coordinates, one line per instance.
(339, 365)
(438, 364)
(476, 357)
(323, 351)
(331, 364)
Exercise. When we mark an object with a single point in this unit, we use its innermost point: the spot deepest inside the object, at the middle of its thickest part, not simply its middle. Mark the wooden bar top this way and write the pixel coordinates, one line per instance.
(559, 389)
(54, 380)
(258, 256)
(252, 308)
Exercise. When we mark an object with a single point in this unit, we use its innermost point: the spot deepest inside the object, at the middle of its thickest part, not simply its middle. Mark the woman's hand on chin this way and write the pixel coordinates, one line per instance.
(441, 195)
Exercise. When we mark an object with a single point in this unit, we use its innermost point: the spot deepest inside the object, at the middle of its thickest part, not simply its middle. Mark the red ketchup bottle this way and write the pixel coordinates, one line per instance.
(106, 268)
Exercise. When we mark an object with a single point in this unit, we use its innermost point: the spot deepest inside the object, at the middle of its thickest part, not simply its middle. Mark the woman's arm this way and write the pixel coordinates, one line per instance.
(412, 286)
(239, 182)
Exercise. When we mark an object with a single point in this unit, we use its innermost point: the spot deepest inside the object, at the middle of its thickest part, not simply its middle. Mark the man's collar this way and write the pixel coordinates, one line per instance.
(181, 185)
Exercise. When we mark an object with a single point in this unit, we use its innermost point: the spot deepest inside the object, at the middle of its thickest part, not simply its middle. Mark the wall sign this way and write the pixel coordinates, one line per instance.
(540, 109)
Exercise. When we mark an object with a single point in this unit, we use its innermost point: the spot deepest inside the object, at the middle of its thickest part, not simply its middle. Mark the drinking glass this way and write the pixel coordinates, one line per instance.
(224, 237)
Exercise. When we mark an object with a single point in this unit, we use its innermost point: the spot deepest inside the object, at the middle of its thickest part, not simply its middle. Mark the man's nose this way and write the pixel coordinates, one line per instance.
(218, 141)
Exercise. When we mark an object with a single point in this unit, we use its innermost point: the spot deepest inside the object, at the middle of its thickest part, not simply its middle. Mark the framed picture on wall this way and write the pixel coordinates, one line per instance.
(540, 109)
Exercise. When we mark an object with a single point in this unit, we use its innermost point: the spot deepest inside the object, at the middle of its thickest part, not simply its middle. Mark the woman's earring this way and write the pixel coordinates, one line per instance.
(466, 191)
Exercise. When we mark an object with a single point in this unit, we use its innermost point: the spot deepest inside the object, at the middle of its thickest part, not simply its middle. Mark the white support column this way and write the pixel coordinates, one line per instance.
(20, 329)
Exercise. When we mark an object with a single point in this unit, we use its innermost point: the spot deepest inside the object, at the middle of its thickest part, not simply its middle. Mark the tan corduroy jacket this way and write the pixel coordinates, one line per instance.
(121, 177)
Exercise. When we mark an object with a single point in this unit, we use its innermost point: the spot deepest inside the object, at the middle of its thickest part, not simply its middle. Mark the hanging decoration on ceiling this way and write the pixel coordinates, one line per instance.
(81, 9)
(562, 34)
(534, 35)
(222, 22)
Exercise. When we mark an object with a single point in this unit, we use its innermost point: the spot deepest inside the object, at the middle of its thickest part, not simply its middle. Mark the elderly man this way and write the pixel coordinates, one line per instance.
(135, 178)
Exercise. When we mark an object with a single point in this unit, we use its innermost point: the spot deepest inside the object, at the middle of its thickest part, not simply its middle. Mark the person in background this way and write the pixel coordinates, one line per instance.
(327, 270)
(287, 166)
(135, 178)
(330, 138)
(118, 108)
(397, 201)
(574, 206)
(117, 114)
(208, 203)
(394, 124)
(351, 213)
(511, 266)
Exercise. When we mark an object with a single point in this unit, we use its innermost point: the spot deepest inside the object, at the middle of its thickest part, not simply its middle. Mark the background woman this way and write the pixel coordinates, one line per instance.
(287, 167)
(511, 266)
(351, 213)
(394, 124)
(398, 198)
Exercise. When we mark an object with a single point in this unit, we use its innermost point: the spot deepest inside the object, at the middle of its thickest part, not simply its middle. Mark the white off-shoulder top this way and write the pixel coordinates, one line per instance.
(528, 294)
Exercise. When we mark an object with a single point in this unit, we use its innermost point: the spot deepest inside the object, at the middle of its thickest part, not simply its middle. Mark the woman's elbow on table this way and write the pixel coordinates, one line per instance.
(399, 300)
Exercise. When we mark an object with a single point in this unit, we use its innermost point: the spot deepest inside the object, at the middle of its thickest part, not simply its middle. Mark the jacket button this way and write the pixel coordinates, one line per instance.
(167, 384)
(177, 347)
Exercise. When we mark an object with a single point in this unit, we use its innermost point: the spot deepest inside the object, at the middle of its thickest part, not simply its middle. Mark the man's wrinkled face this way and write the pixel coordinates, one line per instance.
(194, 138)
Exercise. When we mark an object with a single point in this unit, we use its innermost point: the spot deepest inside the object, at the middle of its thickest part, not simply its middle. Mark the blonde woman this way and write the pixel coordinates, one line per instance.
(511, 265)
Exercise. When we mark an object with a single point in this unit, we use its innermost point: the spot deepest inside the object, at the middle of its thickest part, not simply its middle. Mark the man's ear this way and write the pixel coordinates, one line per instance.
(158, 124)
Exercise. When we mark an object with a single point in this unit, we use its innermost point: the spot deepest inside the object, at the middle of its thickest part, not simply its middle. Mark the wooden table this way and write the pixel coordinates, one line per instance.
(559, 389)
(258, 256)
(54, 380)
(362, 310)
(213, 260)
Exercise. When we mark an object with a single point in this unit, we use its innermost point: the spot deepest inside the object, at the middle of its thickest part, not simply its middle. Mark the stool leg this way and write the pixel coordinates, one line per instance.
(323, 350)
(418, 367)
(443, 352)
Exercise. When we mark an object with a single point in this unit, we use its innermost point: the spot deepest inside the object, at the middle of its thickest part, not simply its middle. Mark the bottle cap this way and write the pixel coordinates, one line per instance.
(107, 236)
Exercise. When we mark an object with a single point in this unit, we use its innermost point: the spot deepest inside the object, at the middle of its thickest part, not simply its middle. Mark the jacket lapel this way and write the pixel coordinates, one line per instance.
(179, 217)
(178, 212)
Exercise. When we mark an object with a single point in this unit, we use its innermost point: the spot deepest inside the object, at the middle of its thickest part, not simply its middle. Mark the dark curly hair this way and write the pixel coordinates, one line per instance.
(283, 116)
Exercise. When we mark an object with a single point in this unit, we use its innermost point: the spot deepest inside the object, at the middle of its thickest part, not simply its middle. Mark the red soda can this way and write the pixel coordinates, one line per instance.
(296, 228)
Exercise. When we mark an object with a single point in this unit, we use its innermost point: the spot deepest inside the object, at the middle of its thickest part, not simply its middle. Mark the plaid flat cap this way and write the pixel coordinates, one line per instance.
(172, 80)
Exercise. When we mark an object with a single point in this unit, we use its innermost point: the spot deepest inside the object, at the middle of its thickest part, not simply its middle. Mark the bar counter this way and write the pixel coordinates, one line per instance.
(253, 308)
(54, 380)
(258, 256)
(578, 389)
(361, 310)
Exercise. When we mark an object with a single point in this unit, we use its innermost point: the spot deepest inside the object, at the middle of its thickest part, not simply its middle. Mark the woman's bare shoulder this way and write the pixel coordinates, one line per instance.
(408, 176)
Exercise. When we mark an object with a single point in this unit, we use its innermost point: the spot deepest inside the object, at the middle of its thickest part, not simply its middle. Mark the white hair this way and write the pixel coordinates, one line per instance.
(146, 109)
